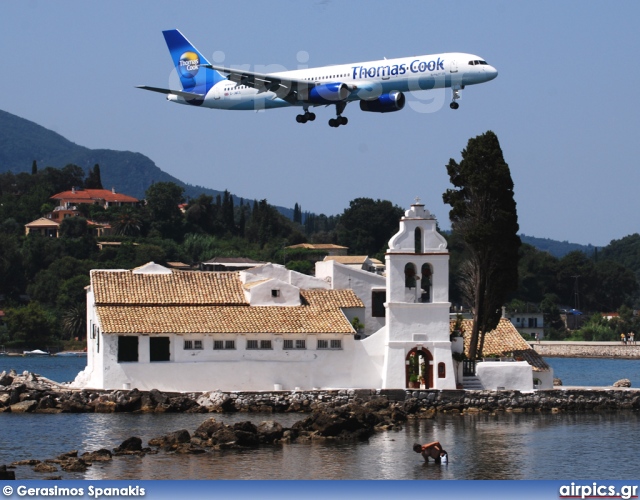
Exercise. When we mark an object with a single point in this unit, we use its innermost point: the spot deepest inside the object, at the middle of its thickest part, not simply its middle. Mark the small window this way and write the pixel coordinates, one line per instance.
(127, 348)
(442, 370)
(265, 344)
(229, 344)
(336, 344)
(378, 298)
(190, 345)
(159, 349)
(294, 344)
(218, 344)
(252, 344)
(323, 344)
(275, 293)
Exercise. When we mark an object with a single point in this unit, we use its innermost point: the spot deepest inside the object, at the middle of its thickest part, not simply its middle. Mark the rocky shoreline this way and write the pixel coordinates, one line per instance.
(347, 415)
(29, 393)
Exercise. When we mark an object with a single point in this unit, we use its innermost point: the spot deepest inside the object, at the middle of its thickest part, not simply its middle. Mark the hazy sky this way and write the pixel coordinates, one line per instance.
(565, 105)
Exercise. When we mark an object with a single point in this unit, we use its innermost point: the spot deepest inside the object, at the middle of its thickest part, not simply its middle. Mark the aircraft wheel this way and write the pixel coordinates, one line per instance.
(333, 122)
(311, 116)
(344, 120)
(454, 105)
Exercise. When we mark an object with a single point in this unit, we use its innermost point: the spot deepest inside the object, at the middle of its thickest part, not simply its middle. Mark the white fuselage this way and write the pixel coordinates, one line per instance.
(367, 79)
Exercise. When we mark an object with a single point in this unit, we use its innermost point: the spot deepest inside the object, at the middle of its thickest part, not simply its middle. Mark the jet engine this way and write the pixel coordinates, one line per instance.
(329, 93)
(393, 101)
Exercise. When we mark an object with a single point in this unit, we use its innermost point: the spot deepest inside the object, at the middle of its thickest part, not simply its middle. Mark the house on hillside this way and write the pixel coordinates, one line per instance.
(106, 198)
(268, 328)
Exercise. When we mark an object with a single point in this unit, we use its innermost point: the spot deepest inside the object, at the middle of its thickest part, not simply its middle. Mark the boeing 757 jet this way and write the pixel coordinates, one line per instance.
(379, 86)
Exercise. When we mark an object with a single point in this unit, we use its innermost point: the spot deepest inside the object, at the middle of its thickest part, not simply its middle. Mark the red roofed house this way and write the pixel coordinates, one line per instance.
(103, 197)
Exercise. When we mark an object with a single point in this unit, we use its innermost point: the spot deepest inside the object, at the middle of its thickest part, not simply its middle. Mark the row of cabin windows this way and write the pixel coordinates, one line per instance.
(318, 78)
(159, 346)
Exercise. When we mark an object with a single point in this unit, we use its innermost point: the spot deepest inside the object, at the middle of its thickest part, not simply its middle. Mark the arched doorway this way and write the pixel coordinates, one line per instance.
(418, 364)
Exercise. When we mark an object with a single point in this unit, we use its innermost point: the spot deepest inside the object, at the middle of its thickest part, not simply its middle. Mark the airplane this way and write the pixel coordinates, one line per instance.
(379, 86)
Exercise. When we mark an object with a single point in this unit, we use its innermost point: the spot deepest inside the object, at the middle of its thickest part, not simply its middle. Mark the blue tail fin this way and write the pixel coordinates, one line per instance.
(187, 60)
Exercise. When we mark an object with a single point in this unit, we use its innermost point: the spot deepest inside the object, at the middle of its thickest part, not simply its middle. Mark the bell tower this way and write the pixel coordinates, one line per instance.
(417, 306)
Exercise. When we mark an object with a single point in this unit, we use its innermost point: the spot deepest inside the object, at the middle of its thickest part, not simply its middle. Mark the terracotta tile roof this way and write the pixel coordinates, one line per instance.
(177, 288)
(347, 259)
(504, 339)
(318, 246)
(222, 319)
(89, 195)
(331, 299)
(43, 222)
(201, 302)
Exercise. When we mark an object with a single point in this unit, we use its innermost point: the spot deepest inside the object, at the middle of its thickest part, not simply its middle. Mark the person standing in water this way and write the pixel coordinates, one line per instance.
(433, 450)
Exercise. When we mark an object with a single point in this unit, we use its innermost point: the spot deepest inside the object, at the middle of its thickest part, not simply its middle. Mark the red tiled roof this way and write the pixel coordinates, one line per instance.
(89, 195)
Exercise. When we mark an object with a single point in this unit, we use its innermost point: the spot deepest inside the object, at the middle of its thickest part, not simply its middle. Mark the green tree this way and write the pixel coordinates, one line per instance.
(367, 226)
(554, 327)
(163, 200)
(483, 212)
(93, 180)
(30, 325)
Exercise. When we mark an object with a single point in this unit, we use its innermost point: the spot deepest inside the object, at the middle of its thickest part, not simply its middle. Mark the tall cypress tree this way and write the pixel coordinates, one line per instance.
(483, 212)
(93, 180)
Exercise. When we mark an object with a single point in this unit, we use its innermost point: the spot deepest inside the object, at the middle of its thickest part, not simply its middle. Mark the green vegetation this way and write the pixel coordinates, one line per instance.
(42, 279)
(483, 214)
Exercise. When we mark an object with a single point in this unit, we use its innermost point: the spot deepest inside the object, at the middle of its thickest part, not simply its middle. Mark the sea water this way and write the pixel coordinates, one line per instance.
(482, 446)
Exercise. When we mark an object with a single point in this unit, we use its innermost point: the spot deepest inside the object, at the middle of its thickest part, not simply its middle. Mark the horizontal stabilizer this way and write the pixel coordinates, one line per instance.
(186, 95)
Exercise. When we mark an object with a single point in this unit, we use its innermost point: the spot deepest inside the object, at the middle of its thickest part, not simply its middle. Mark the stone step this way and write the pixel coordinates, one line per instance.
(472, 384)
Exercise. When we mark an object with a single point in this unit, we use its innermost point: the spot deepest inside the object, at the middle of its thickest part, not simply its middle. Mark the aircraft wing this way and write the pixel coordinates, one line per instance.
(282, 87)
(186, 95)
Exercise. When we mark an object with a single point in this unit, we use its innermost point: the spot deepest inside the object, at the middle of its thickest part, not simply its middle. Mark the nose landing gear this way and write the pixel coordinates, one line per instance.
(455, 97)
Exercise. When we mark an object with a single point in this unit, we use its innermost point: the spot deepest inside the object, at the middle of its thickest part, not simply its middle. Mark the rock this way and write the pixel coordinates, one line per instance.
(172, 439)
(130, 444)
(269, 431)
(68, 455)
(101, 455)
(105, 407)
(6, 475)
(625, 382)
(74, 465)
(5, 379)
(24, 406)
(557, 381)
(208, 428)
(42, 467)
(30, 461)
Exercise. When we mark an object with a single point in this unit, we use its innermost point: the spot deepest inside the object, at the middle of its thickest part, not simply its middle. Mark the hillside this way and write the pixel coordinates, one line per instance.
(556, 248)
(22, 141)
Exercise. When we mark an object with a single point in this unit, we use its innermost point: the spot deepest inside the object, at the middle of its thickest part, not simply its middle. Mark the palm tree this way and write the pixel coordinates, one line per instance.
(74, 322)
(127, 223)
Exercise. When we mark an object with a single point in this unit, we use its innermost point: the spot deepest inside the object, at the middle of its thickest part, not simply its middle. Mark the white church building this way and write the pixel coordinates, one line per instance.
(269, 328)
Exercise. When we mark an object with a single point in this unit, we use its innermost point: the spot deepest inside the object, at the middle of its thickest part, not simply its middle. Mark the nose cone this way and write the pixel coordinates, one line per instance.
(491, 72)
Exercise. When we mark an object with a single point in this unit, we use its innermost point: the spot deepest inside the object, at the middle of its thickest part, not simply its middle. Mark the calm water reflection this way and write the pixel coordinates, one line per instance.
(510, 446)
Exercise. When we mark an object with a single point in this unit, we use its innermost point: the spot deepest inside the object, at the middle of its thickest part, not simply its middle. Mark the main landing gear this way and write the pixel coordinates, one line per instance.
(306, 117)
(339, 120)
(456, 96)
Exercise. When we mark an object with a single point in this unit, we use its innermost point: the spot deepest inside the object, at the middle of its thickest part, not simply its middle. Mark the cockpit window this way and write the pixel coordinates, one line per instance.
(473, 63)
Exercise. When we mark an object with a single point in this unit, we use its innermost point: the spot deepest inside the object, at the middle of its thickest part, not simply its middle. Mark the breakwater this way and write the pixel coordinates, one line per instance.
(28, 394)
(561, 349)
